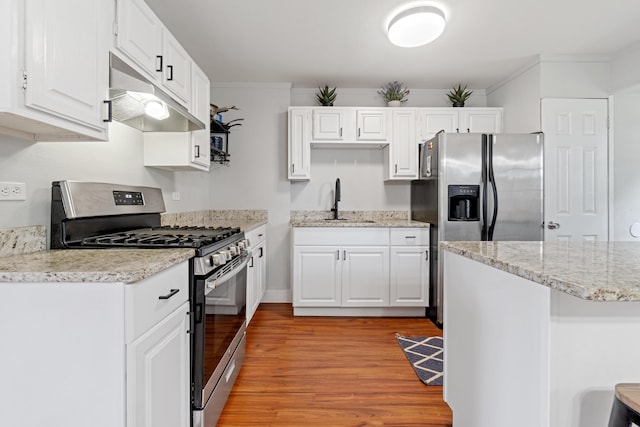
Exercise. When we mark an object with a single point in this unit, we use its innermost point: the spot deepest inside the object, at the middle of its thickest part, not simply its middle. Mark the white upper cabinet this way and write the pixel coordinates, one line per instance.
(139, 37)
(176, 72)
(299, 144)
(433, 120)
(328, 124)
(481, 120)
(401, 155)
(142, 37)
(54, 77)
(371, 125)
(200, 139)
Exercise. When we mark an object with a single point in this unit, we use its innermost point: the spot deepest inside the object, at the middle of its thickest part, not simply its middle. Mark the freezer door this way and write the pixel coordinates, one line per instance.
(460, 164)
(518, 174)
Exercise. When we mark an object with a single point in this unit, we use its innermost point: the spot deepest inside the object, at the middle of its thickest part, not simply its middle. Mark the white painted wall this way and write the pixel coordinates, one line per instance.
(257, 175)
(352, 97)
(568, 77)
(624, 68)
(519, 95)
(626, 158)
(118, 160)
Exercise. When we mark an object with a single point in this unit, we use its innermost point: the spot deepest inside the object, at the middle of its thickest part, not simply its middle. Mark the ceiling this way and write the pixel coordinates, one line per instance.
(343, 43)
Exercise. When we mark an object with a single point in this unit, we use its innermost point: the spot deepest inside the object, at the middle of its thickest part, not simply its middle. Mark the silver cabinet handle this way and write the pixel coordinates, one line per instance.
(395, 168)
(358, 132)
(553, 225)
(293, 167)
(344, 255)
(338, 254)
(409, 237)
(340, 132)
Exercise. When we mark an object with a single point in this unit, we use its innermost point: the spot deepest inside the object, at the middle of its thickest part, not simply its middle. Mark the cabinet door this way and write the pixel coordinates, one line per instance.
(327, 124)
(433, 120)
(261, 273)
(139, 36)
(365, 276)
(409, 276)
(404, 146)
(176, 70)
(371, 125)
(481, 120)
(66, 60)
(256, 276)
(158, 379)
(200, 139)
(316, 278)
(252, 281)
(299, 144)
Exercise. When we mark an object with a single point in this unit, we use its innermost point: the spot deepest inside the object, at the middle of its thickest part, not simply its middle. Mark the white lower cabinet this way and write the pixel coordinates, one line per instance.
(103, 354)
(256, 269)
(158, 382)
(359, 268)
(409, 267)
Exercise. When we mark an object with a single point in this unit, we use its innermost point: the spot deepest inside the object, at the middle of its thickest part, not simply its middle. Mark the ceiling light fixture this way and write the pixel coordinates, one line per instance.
(416, 26)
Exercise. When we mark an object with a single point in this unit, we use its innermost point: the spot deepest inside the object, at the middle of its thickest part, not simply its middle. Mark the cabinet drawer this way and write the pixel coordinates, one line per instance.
(341, 236)
(151, 300)
(409, 237)
(257, 235)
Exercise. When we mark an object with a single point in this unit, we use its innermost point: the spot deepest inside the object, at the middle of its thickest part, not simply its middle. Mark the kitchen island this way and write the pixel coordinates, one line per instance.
(538, 333)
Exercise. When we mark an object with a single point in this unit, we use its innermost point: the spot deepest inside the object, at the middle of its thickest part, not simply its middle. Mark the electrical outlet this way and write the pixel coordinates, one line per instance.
(175, 195)
(13, 191)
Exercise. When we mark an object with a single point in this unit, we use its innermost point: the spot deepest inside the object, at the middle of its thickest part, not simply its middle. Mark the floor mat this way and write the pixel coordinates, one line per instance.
(426, 356)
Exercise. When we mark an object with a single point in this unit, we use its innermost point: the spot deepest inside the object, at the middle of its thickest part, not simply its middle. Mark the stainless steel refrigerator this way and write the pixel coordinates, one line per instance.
(477, 187)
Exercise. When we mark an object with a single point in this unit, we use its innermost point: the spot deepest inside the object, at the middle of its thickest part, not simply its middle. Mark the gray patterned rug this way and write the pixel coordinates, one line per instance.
(426, 356)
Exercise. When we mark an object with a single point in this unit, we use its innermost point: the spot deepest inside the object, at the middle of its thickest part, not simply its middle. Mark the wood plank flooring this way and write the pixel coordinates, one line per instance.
(331, 372)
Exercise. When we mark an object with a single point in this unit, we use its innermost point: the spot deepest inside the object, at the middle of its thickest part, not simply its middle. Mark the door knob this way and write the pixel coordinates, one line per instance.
(553, 225)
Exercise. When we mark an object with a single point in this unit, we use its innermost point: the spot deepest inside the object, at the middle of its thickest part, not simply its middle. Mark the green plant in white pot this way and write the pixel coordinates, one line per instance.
(326, 96)
(394, 93)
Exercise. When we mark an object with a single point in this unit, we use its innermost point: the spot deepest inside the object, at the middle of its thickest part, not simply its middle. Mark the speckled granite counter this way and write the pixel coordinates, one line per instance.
(354, 219)
(90, 265)
(597, 271)
(245, 219)
(22, 240)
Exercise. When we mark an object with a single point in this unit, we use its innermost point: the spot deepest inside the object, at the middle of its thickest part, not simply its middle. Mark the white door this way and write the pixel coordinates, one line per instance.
(409, 276)
(158, 380)
(299, 144)
(372, 125)
(327, 124)
(176, 69)
(575, 164)
(66, 60)
(365, 276)
(433, 120)
(316, 276)
(404, 147)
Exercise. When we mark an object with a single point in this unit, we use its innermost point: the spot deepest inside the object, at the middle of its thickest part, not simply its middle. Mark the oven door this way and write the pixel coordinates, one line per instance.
(219, 326)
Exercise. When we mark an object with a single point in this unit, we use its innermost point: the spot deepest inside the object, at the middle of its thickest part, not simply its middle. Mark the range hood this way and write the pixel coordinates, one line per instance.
(130, 92)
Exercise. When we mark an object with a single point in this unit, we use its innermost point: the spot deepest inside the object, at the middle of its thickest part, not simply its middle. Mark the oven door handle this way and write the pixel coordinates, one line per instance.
(220, 280)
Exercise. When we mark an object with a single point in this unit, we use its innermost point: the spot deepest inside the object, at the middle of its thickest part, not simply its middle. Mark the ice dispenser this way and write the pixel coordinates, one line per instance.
(464, 202)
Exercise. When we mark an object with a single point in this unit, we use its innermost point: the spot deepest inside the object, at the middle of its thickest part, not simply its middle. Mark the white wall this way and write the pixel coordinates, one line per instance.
(519, 95)
(626, 161)
(568, 77)
(118, 160)
(624, 68)
(257, 175)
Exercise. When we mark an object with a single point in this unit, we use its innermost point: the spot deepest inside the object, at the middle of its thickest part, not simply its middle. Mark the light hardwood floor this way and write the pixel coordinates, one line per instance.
(331, 372)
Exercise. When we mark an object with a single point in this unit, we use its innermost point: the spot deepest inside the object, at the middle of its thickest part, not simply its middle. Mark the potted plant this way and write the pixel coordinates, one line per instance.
(326, 96)
(458, 95)
(394, 93)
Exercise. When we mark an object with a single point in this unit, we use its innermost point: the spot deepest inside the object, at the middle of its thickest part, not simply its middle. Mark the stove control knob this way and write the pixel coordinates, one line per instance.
(211, 261)
(233, 250)
(242, 245)
(218, 259)
(226, 254)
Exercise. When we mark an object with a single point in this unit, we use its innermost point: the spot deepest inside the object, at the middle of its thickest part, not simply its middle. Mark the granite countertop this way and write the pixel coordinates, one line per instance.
(354, 219)
(245, 219)
(597, 271)
(90, 265)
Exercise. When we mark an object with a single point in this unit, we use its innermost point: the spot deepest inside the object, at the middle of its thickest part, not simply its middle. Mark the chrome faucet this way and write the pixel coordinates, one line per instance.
(334, 209)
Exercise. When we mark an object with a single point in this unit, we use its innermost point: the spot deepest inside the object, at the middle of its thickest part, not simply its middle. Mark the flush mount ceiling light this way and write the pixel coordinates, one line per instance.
(416, 26)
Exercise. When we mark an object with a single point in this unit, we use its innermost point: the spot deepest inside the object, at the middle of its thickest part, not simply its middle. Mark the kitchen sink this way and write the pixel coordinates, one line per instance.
(348, 221)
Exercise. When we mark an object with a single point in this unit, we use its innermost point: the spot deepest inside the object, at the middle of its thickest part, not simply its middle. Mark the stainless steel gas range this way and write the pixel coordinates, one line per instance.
(100, 215)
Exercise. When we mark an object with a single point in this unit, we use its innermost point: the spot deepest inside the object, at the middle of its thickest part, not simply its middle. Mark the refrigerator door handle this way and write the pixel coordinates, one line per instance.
(483, 189)
(494, 189)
